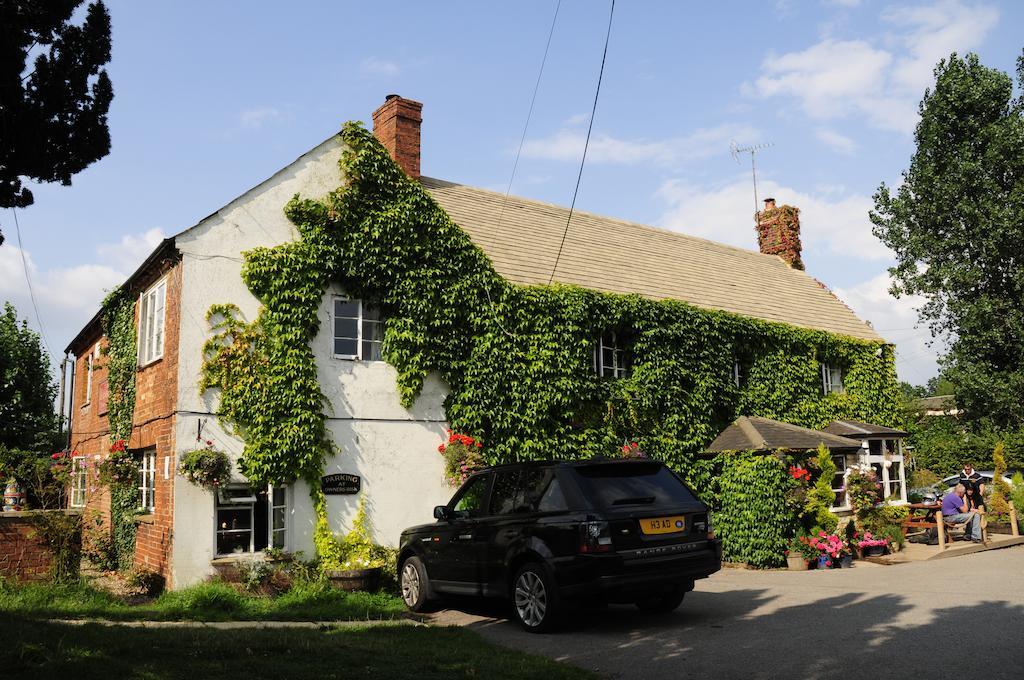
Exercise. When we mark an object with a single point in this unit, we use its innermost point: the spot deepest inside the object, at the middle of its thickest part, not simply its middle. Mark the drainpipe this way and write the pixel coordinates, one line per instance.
(60, 399)
(71, 399)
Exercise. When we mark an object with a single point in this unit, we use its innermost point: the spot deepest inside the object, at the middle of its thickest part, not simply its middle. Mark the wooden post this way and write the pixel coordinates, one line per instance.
(1014, 529)
(940, 526)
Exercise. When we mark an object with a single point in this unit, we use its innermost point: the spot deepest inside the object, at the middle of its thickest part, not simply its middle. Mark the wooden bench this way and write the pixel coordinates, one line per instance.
(943, 529)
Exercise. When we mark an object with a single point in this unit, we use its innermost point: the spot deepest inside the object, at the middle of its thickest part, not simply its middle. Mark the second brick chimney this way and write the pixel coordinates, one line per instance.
(778, 232)
(397, 125)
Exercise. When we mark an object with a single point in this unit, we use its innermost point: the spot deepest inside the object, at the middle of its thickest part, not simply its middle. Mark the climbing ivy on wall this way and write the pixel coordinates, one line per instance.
(517, 359)
(122, 363)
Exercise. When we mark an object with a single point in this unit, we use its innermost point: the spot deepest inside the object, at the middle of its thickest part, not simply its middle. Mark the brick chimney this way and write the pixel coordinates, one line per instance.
(397, 125)
(778, 232)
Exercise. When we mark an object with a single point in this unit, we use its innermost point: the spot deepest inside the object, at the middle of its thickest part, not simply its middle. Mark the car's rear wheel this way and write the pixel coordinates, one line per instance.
(662, 603)
(535, 599)
(414, 584)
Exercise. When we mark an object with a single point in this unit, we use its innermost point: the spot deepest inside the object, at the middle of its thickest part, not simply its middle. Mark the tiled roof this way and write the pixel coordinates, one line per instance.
(749, 433)
(625, 257)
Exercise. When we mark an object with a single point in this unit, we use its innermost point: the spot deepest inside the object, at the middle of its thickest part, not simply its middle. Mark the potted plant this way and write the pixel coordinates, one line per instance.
(205, 467)
(800, 553)
(870, 546)
(832, 550)
(359, 562)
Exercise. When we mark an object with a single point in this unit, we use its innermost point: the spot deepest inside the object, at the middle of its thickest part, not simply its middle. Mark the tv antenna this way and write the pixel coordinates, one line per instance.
(752, 150)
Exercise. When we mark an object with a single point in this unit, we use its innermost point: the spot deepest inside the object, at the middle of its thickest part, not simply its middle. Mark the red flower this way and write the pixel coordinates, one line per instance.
(479, 445)
(56, 456)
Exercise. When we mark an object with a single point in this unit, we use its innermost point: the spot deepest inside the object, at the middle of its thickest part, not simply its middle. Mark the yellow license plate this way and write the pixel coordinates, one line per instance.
(663, 525)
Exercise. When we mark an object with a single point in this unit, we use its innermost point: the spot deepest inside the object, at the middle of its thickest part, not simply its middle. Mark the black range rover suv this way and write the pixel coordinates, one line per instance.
(550, 534)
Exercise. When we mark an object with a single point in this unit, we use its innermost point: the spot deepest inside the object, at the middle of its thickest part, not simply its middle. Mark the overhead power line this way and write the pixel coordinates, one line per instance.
(586, 144)
(28, 280)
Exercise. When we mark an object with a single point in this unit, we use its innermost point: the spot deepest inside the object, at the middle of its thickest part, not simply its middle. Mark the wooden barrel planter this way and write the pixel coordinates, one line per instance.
(355, 579)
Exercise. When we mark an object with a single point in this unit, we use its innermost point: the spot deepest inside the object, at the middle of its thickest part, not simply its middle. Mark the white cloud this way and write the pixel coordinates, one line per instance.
(836, 141)
(830, 222)
(567, 145)
(895, 320)
(374, 66)
(69, 296)
(254, 119)
(880, 83)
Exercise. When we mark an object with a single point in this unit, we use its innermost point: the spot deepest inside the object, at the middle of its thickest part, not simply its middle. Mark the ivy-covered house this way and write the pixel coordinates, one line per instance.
(325, 328)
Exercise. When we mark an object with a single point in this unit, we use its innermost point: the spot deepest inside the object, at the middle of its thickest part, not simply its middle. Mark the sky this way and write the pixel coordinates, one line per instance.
(211, 98)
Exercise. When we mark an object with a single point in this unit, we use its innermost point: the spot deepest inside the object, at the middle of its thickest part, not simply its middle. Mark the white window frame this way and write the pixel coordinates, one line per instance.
(88, 379)
(895, 474)
(619, 367)
(829, 373)
(842, 498)
(361, 322)
(223, 499)
(152, 328)
(737, 373)
(79, 479)
(147, 480)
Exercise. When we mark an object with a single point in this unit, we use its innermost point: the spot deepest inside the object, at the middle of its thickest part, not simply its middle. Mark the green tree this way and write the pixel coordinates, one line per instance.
(53, 118)
(956, 225)
(27, 391)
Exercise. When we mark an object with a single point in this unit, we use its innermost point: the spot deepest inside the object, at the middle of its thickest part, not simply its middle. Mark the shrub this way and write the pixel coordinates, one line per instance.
(1001, 490)
(97, 543)
(62, 533)
(206, 467)
(924, 478)
(818, 511)
(144, 581)
(755, 519)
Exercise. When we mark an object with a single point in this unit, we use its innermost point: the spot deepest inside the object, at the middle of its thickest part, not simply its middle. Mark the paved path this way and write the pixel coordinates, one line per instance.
(236, 625)
(916, 621)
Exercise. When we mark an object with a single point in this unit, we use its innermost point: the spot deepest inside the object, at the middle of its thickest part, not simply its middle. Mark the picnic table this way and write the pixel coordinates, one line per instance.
(929, 516)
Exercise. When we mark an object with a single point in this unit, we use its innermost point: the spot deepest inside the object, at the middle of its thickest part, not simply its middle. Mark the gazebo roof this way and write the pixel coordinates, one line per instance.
(855, 428)
(751, 433)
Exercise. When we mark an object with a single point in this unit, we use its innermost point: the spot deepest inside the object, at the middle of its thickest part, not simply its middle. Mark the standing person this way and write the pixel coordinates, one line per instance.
(975, 485)
(955, 510)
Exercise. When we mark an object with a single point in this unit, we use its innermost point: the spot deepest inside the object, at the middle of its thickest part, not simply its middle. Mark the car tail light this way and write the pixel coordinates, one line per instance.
(702, 524)
(595, 537)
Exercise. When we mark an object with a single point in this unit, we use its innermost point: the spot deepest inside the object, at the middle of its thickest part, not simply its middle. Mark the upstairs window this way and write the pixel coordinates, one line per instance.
(737, 373)
(358, 330)
(832, 379)
(88, 379)
(152, 305)
(611, 359)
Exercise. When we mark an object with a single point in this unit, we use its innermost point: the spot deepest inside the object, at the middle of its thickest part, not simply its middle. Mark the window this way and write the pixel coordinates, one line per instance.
(839, 482)
(470, 501)
(88, 380)
(78, 481)
(249, 521)
(147, 480)
(737, 373)
(611, 359)
(831, 379)
(358, 330)
(151, 323)
(278, 517)
(632, 484)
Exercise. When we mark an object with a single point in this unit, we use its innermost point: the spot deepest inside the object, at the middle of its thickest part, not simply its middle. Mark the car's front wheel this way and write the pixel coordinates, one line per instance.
(535, 599)
(414, 584)
(662, 603)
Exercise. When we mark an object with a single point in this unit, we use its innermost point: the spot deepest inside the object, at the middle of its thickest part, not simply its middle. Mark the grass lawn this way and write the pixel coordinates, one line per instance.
(36, 649)
(213, 601)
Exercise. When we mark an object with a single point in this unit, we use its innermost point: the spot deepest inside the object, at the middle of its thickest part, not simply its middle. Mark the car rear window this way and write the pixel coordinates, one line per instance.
(632, 485)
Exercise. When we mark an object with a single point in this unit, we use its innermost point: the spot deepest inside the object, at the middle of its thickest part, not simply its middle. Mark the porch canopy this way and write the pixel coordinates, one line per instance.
(751, 433)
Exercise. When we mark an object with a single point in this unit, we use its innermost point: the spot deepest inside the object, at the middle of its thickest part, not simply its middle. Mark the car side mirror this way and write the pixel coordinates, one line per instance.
(441, 513)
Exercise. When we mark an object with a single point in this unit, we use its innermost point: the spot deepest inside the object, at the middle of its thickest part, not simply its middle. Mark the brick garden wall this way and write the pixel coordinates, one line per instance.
(23, 555)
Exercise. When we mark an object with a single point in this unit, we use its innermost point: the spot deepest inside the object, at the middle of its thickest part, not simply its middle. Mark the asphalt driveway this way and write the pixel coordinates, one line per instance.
(963, 615)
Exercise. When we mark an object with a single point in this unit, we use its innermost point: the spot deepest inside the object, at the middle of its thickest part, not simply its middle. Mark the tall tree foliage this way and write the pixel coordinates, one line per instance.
(27, 391)
(956, 225)
(53, 114)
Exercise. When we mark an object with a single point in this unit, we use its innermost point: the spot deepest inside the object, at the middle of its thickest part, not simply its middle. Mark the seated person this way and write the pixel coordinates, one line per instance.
(955, 511)
(975, 501)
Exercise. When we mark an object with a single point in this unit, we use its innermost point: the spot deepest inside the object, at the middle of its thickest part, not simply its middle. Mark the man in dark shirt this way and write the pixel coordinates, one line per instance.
(975, 485)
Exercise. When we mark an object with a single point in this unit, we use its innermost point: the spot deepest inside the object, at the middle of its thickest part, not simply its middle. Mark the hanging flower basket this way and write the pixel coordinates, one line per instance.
(205, 467)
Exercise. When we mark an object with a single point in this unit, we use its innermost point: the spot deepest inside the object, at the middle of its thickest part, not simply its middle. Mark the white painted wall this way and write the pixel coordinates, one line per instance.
(393, 449)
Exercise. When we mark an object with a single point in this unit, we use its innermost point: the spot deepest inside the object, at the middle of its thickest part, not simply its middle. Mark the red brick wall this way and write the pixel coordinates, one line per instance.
(23, 555)
(156, 391)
